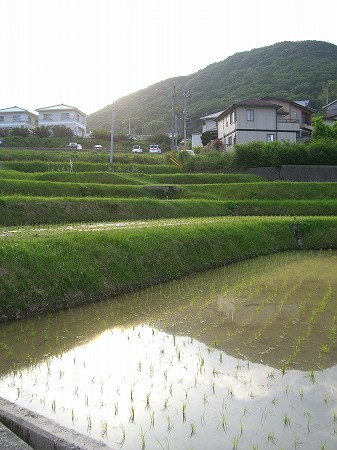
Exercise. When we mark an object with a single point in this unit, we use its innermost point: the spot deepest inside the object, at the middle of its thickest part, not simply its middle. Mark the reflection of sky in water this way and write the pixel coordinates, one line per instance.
(183, 395)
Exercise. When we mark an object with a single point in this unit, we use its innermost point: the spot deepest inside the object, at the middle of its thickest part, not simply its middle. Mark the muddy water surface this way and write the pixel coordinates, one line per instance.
(240, 357)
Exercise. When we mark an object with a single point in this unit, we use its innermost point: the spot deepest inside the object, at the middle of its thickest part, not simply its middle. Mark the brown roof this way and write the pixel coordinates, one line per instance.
(249, 102)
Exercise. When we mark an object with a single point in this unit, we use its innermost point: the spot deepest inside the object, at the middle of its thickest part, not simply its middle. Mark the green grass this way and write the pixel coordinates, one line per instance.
(83, 166)
(22, 210)
(230, 191)
(55, 269)
(130, 178)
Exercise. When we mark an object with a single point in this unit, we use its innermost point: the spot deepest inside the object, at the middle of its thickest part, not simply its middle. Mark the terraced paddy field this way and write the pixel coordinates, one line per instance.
(180, 318)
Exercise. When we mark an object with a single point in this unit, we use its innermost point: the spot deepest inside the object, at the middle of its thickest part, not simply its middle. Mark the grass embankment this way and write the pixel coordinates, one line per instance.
(22, 210)
(230, 191)
(82, 166)
(35, 202)
(55, 270)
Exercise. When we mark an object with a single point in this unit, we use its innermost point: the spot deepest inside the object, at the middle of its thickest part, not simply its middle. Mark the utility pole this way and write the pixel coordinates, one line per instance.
(173, 144)
(112, 135)
(129, 127)
(186, 95)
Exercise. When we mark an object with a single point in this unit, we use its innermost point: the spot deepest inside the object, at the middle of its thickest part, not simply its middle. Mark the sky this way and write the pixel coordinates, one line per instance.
(89, 53)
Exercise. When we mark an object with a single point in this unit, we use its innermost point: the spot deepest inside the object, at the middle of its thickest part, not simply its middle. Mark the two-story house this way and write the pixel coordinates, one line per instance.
(16, 117)
(63, 115)
(263, 120)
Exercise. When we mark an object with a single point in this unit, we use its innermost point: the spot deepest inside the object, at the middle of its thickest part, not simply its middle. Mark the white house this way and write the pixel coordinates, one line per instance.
(263, 120)
(63, 115)
(16, 117)
(209, 124)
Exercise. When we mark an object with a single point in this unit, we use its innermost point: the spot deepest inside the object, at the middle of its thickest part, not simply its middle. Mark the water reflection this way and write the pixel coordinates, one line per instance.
(229, 358)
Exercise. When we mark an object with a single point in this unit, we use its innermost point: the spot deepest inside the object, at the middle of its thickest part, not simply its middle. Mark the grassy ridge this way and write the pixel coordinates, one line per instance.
(57, 270)
(131, 178)
(236, 191)
(20, 210)
(81, 166)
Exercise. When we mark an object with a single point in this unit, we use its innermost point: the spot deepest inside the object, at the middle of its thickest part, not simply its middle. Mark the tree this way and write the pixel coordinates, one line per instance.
(206, 137)
(62, 132)
(321, 129)
(24, 132)
(101, 135)
(42, 132)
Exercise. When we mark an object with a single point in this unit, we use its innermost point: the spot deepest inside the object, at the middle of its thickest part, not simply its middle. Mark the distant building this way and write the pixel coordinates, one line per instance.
(16, 117)
(63, 115)
(209, 124)
(330, 112)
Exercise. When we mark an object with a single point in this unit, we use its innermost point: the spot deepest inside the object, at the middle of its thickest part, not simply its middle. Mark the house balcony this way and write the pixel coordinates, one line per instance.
(288, 124)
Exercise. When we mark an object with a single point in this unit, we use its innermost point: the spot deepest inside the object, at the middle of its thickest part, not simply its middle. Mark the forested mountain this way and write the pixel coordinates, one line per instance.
(292, 70)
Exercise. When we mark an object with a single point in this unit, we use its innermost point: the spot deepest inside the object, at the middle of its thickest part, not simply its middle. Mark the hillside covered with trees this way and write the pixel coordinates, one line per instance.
(293, 70)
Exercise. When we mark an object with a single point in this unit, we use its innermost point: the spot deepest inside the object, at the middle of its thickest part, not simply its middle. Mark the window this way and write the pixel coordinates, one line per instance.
(250, 115)
(29, 119)
(17, 118)
(47, 116)
(270, 137)
(232, 117)
(227, 121)
(64, 116)
(230, 141)
(2, 118)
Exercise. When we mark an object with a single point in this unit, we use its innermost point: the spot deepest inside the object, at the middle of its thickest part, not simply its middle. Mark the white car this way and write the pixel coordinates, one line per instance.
(98, 147)
(137, 149)
(189, 152)
(154, 148)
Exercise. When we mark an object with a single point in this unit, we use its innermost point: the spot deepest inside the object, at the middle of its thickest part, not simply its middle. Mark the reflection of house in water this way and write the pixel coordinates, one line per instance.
(238, 310)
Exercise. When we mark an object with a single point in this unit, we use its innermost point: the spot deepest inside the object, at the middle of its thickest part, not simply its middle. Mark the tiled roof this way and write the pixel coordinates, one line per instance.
(212, 116)
(15, 109)
(60, 107)
(249, 102)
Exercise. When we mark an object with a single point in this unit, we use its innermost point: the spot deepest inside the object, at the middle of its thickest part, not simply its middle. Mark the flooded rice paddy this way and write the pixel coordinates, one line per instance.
(242, 357)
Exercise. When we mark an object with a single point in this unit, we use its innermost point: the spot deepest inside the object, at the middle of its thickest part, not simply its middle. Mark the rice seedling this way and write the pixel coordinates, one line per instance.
(132, 415)
(151, 419)
(286, 420)
(169, 424)
(89, 423)
(271, 438)
(193, 429)
(235, 442)
(104, 428)
(121, 442)
(148, 406)
(297, 442)
(184, 412)
(224, 425)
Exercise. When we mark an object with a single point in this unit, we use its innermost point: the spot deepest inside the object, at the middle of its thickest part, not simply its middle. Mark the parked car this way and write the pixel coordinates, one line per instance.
(98, 147)
(137, 149)
(189, 152)
(72, 144)
(154, 148)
